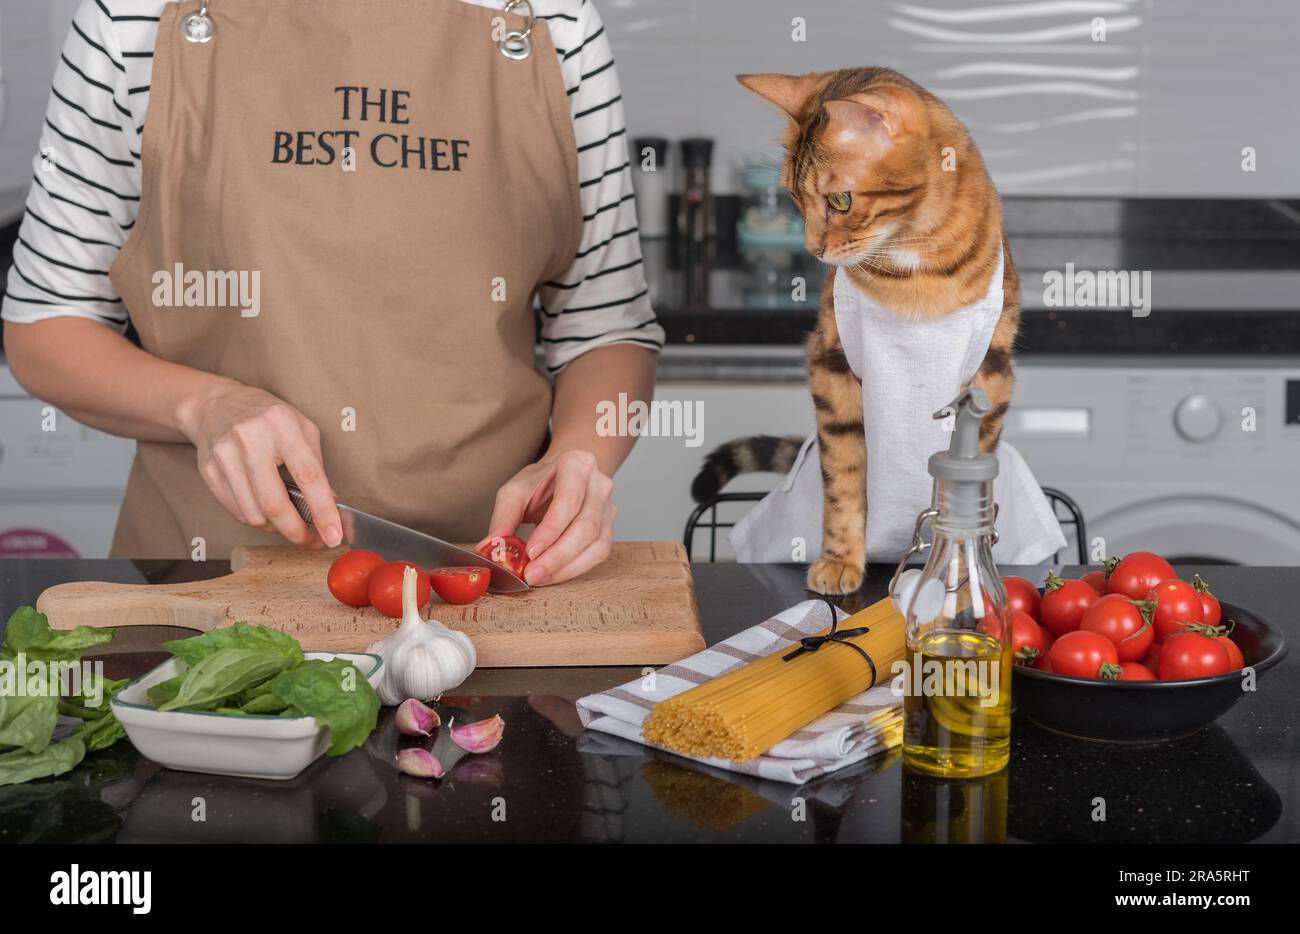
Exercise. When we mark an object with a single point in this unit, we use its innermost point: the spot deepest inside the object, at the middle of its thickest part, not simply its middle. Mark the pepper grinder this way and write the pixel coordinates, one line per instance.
(695, 217)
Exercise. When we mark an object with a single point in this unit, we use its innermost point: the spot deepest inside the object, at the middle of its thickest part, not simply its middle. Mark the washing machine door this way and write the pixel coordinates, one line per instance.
(1201, 529)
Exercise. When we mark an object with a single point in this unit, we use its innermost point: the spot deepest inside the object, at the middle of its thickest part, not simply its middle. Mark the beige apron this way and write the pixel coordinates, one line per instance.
(380, 313)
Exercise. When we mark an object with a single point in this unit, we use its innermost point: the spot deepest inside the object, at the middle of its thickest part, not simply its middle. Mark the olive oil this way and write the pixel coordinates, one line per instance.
(958, 725)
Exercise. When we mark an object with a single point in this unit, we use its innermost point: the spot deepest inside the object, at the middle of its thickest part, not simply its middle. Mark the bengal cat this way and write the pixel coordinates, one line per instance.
(894, 194)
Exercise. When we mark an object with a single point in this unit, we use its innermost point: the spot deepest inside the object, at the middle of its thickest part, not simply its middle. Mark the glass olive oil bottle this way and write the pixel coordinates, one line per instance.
(957, 679)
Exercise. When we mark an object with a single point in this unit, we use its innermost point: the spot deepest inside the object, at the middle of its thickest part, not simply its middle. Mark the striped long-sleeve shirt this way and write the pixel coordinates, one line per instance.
(86, 182)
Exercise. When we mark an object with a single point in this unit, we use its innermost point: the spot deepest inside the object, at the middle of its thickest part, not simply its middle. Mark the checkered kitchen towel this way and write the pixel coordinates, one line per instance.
(861, 727)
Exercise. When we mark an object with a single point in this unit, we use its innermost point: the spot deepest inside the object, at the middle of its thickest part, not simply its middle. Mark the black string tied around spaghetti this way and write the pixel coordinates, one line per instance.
(837, 636)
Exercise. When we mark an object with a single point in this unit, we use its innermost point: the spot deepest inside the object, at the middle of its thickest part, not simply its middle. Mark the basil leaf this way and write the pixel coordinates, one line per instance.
(101, 733)
(223, 673)
(337, 695)
(76, 705)
(164, 691)
(236, 636)
(266, 703)
(25, 628)
(29, 632)
(28, 721)
(21, 766)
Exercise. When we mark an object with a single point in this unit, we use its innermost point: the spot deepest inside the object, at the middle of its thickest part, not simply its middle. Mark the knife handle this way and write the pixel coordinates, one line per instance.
(299, 501)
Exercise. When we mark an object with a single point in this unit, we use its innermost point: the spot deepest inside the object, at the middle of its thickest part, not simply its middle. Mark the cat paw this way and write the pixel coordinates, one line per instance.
(834, 576)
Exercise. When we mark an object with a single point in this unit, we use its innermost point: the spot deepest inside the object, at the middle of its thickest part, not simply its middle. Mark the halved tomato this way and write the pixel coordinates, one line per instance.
(507, 551)
(460, 585)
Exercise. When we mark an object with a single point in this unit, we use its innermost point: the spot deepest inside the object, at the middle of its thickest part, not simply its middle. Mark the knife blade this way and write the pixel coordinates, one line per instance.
(394, 542)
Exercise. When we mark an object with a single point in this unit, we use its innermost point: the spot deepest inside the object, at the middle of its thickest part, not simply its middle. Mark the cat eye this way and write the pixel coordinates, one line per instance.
(840, 201)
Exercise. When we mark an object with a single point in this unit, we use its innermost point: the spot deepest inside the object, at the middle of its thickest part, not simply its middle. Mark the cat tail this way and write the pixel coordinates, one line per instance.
(756, 454)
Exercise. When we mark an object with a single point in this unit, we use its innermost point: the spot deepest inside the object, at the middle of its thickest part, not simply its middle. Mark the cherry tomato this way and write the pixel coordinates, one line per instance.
(1192, 655)
(1137, 573)
(1152, 658)
(507, 551)
(1134, 671)
(1082, 654)
(1177, 604)
(460, 585)
(1122, 621)
(1022, 596)
(1028, 640)
(1064, 604)
(349, 576)
(1096, 580)
(1044, 661)
(386, 587)
(1211, 610)
(1236, 661)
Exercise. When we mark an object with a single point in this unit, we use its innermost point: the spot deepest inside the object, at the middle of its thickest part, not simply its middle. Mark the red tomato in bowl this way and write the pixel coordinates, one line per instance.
(1123, 622)
(1137, 573)
(1236, 661)
(1096, 580)
(1082, 654)
(386, 587)
(1152, 658)
(1044, 660)
(1028, 641)
(1211, 610)
(1176, 604)
(1192, 655)
(1134, 671)
(460, 585)
(1064, 604)
(507, 551)
(1022, 596)
(349, 576)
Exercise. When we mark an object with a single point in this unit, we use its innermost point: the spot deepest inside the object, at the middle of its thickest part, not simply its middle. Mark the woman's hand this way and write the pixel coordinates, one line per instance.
(243, 435)
(568, 498)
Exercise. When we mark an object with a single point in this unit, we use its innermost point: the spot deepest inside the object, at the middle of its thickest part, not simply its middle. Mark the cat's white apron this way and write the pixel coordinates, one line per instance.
(910, 369)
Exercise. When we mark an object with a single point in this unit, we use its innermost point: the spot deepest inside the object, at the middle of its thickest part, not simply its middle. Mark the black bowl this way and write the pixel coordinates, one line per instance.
(1145, 711)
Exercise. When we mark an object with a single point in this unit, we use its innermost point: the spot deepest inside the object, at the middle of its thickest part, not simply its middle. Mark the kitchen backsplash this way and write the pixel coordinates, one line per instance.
(1164, 106)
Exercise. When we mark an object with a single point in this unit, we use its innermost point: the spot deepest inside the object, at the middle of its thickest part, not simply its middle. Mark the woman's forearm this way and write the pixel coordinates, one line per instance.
(103, 380)
(598, 378)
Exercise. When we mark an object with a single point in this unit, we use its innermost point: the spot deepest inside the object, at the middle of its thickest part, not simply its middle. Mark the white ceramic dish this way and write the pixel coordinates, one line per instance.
(248, 747)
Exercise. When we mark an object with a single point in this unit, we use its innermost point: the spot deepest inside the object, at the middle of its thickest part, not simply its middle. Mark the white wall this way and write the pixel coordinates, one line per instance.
(1163, 107)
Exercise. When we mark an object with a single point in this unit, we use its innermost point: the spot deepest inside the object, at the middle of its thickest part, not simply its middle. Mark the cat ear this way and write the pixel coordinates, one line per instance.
(861, 118)
(789, 92)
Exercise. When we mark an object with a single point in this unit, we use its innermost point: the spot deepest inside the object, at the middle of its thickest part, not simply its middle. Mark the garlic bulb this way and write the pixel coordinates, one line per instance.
(421, 659)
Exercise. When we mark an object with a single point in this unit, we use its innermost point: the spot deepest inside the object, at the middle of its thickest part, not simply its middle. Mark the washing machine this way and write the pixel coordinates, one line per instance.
(1195, 459)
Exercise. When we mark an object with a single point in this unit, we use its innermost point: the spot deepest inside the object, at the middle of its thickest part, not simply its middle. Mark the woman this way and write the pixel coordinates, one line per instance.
(327, 223)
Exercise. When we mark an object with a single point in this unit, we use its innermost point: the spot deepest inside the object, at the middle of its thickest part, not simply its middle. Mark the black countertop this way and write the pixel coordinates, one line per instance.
(1237, 780)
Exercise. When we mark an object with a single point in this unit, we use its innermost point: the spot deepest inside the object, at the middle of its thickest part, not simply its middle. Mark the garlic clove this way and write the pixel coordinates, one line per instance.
(419, 762)
(480, 736)
(416, 719)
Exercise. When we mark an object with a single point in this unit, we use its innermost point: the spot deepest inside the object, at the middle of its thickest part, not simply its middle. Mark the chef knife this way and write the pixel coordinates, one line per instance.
(394, 542)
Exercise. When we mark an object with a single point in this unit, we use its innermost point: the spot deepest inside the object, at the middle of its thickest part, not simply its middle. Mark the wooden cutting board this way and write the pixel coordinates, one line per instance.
(638, 608)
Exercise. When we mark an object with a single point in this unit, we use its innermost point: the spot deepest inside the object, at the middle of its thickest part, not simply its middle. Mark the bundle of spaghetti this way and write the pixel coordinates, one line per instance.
(747, 711)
